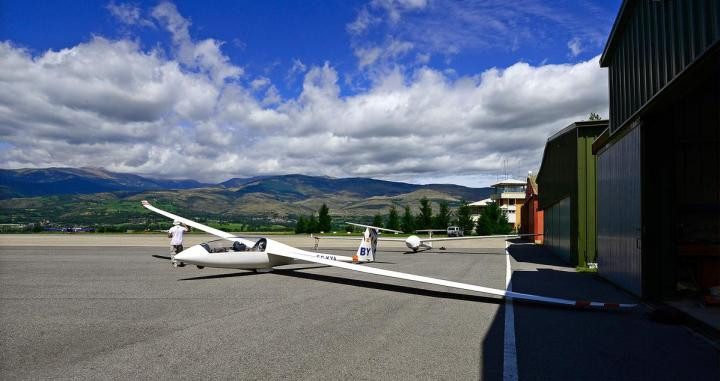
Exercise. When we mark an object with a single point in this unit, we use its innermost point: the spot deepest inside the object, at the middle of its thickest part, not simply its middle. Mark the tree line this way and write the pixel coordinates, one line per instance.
(493, 219)
(312, 224)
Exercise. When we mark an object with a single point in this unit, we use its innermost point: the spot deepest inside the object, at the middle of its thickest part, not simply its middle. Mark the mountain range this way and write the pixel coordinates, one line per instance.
(95, 195)
(54, 181)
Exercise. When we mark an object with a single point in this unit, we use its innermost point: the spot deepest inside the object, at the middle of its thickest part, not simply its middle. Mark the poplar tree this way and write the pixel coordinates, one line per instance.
(424, 219)
(493, 220)
(408, 222)
(312, 224)
(324, 220)
(377, 221)
(464, 221)
(442, 219)
(301, 225)
(393, 220)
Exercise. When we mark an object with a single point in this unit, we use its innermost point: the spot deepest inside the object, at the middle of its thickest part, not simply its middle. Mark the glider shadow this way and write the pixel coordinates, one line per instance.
(498, 252)
(245, 273)
(435, 294)
(388, 287)
(217, 276)
(416, 252)
(161, 256)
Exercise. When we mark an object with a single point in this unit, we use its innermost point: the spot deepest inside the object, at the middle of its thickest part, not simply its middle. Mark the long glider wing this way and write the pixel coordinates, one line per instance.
(196, 225)
(475, 237)
(355, 238)
(314, 257)
(374, 227)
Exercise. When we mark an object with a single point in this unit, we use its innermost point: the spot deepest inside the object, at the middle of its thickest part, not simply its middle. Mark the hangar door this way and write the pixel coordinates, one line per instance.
(557, 228)
(619, 219)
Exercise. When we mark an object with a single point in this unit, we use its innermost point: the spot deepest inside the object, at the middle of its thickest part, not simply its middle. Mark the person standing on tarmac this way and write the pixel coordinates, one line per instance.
(175, 234)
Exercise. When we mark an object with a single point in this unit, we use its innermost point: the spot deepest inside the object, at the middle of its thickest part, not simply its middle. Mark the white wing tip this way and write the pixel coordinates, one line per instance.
(144, 202)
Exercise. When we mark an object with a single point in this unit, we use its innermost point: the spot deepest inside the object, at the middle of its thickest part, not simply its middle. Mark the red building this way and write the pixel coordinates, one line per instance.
(532, 218)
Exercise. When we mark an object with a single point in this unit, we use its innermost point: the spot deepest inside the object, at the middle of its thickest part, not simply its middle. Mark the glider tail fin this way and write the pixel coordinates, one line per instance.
(368, 244)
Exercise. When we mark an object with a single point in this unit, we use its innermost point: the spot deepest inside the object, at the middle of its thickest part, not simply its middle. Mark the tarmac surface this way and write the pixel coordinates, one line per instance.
(109, 311)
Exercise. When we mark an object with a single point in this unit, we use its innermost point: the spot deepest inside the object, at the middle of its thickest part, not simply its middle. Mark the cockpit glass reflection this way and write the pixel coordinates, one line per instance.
(227, 245)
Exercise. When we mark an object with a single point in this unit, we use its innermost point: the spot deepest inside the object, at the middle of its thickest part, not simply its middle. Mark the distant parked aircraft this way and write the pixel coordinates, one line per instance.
(70, 230)
(414, 242)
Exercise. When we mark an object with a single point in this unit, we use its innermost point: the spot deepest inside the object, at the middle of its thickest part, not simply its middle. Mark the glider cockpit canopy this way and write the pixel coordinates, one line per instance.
(225, 245)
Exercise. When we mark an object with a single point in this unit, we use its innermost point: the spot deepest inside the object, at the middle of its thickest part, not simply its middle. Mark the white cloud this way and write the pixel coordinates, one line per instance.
(113, 104)
(448, 28)
(272, 96)
(387, 53)
(368, 16)
(128, 14)
(367, 56)
(297, 68)
(422, 58)
(259, 83)
(204, 55)
(575, 47)
(362, 22)
(395, 8)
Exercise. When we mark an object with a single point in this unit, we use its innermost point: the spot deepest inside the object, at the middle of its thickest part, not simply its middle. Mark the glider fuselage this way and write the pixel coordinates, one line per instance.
(251, 258)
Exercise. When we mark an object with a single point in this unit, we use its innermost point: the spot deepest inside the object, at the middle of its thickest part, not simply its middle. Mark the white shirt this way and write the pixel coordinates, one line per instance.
(177, 234)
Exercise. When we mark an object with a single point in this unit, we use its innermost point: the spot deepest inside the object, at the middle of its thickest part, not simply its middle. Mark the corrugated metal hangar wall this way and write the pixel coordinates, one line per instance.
(619, 221)
(652, 42)
(557, 224)
(567, 190)
(659, 162)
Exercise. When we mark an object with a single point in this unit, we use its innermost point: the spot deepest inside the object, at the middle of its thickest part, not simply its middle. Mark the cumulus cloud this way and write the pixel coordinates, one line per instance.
(113, 104)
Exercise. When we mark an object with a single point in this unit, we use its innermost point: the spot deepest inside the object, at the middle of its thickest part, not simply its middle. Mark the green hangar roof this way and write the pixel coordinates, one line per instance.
(567, 153)
(651, 44)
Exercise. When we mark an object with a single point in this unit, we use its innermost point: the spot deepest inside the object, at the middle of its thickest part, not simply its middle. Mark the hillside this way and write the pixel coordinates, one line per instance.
(277, 198)
(56, 181)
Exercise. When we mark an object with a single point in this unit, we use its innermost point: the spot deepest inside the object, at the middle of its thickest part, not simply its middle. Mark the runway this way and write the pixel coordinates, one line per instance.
(89, 312)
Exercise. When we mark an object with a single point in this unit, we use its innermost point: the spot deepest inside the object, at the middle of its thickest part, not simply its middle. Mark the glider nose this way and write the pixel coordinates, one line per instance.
(194, 255)
(413, 242)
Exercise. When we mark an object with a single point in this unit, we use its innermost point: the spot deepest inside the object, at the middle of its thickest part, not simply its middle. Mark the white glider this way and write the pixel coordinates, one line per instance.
(265, 253)
(414, 242)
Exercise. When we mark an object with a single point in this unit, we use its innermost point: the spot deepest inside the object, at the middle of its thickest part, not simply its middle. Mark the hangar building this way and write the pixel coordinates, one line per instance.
(567, 190)
(532, 217)
(658, 163)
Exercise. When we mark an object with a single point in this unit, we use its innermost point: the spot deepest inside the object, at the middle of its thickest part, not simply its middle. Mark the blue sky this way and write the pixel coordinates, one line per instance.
(420, 77)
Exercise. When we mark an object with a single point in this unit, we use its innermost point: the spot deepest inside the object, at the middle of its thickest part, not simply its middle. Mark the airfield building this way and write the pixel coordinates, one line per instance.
(476, 208)
(510, 195)
(567, 192)
(532, 217)
(658, 163)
